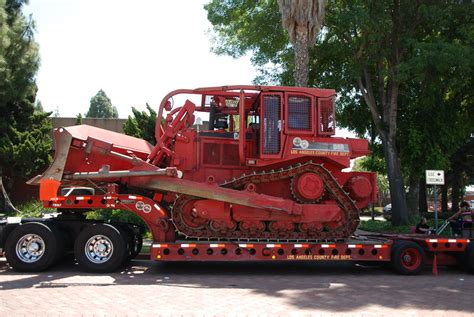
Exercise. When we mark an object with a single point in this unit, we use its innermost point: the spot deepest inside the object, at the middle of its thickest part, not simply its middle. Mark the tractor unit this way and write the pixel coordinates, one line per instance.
(264, 180)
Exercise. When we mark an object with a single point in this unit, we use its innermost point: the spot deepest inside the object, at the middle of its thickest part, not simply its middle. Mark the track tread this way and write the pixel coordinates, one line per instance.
(332, 187)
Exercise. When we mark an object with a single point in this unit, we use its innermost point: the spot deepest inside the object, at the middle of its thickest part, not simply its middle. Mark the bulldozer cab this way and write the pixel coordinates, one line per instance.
(247, 124)
(269, 118)
(292, 113)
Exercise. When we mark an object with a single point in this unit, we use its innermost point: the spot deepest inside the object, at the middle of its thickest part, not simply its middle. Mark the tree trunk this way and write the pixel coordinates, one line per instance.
(5, 201)
(400, 215)
(422, 203)
(456, 192)
(413, 196)
(386, 124)
(301, 57)
(444, 198)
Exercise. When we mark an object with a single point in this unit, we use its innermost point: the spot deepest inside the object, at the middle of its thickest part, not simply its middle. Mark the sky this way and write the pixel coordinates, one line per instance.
(136, 51)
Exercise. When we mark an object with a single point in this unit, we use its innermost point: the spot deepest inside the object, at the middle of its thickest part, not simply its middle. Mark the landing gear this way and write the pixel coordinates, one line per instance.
(33, 247)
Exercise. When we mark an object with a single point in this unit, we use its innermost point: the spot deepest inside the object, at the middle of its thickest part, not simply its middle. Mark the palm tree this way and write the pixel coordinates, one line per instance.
(302, 19)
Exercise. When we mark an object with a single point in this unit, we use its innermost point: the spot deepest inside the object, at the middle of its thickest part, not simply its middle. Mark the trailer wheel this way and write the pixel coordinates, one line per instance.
(408, 257)
(133, 240)
(33, 247)
(100, 248)
(469, 257)
(135, 246)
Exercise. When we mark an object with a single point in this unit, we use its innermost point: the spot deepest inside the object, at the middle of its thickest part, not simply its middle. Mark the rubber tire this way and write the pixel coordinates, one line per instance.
(468, 261)
(398, 249)
(135, 246)
(118, 240)
(134, 242)
(53, 246)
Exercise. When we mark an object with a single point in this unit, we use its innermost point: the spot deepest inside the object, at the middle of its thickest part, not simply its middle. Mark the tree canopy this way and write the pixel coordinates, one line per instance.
(141, 124)
(19, 62)
(101, 107)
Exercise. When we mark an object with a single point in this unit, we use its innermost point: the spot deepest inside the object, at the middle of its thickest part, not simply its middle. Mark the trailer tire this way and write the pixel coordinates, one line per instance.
(135, 246)
(133, 240)
(408, 258)
(33, 247)
(469, 258)
(100, 248)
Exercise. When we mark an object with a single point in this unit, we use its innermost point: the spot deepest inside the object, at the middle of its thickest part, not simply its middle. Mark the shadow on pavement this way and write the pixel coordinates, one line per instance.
(338, 287)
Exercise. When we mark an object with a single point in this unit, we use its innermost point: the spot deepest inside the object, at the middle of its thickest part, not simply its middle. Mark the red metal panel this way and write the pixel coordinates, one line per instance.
(237, 251)
(156, 217)
(446, 244)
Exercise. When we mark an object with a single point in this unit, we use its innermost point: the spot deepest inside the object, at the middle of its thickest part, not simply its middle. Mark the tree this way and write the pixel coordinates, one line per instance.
(437, 95)
(79, 119)
(302, 19)
(39, 106)
(463, 170)
(24, 142)
(56, 113)
(371, 53)
(242, 26)
(101, 107)
(410, 64)
(142, 124)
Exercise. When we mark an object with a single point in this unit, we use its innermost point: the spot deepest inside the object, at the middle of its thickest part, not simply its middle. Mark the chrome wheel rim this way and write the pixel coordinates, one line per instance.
(99, 249)
(30, 248)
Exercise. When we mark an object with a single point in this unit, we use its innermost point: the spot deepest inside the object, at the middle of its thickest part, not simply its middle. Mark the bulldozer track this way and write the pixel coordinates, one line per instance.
(333, 191)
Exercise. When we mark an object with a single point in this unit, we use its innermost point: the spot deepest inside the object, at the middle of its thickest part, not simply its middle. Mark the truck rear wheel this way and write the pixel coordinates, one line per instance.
(408, 258)
(100, 248)
(33, 247)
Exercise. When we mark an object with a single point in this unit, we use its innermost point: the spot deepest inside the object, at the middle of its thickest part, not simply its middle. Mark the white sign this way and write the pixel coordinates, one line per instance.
(434, 177)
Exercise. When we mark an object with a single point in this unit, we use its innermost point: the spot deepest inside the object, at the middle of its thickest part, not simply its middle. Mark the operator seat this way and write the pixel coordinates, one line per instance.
(221, 123)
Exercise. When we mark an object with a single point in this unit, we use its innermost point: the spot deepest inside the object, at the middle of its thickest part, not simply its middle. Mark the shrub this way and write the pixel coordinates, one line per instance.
(383, 227)
(33, 208)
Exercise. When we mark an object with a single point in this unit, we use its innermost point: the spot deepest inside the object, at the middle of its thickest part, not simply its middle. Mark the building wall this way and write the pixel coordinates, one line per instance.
(115, 125)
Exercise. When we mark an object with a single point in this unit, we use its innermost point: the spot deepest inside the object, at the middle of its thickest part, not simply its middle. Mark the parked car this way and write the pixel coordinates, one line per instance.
(387, 211)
